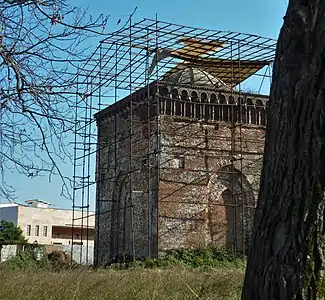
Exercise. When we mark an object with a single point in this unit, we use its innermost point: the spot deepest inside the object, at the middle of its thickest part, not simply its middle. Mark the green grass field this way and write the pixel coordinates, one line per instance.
(180, 274)
(222, 283)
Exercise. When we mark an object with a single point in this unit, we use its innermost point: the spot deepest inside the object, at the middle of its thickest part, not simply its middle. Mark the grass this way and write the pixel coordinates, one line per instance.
(180, 274)
(138, 283)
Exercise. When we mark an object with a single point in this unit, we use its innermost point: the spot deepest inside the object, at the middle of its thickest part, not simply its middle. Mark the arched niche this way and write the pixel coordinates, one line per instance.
(120, 216)
(231, 209)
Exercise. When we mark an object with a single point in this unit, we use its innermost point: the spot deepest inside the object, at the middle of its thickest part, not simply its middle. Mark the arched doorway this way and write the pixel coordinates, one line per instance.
(234, 228)
(120, 233)
(231, 211)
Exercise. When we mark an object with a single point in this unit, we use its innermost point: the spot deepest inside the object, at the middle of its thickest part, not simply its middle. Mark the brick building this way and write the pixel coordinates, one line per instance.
(179, 169)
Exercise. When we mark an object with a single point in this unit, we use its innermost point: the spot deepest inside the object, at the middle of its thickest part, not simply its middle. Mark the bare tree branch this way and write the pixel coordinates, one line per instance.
(42, 43)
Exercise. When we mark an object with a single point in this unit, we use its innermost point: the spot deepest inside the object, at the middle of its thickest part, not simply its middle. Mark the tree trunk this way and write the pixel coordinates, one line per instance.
(286, 260)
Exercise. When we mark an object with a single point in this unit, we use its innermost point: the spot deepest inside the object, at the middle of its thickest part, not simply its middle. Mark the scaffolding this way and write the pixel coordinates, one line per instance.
(166, 96)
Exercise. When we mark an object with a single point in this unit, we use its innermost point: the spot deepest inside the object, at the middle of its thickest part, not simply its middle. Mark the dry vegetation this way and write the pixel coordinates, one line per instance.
(180, 274)
(223, 283)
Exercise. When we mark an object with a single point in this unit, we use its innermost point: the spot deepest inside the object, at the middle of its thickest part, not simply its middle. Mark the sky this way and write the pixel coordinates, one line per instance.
(251, 16)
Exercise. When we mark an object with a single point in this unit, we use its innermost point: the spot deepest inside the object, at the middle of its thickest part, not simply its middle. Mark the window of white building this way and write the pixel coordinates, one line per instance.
(36, 230)
(45, 231)
(28, 230)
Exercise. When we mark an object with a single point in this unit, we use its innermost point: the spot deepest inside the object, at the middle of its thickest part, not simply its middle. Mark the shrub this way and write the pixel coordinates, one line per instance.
(193, 258)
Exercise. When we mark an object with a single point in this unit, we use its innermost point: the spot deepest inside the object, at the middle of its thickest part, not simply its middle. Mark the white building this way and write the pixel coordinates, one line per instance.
(45, 225)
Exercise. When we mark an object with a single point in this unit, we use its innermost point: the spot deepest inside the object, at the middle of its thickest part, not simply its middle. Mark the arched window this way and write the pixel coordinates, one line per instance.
(152, 91)
(177, 104)
(170, 107)
(232, 109)
(242, 114)
(260, 112)
(249, 101)
(214, 107)
(163, 92)
(163, 98)
(267, 107)
(259, 103)
(195, 107)
(204, 107)
(185, 104)
(249, 108)
(224, 109)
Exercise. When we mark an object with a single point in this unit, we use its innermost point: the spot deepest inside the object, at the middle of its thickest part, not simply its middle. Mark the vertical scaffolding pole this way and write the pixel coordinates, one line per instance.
(242, 207)
(118, 206)
(90, 119)
(83, 177)
(234, 195)
(131, 147)
(74, 164)
(157, 151)
(98, 165)
(148, 146)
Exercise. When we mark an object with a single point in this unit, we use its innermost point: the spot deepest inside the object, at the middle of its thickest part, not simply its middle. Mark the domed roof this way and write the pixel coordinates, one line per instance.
(194, 76)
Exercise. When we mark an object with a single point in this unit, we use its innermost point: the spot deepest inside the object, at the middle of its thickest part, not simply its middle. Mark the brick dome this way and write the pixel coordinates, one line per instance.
(193, 76)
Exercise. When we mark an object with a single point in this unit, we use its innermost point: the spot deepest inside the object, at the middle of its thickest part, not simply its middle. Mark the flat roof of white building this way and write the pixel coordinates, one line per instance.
(8, 204)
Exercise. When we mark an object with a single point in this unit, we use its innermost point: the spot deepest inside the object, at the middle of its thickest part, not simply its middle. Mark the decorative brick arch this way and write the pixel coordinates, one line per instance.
(231, 199)
(120, 218)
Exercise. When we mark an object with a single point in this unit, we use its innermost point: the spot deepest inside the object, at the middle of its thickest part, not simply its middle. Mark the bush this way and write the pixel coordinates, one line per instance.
(34, 257)
(30, 258)
(193, 258)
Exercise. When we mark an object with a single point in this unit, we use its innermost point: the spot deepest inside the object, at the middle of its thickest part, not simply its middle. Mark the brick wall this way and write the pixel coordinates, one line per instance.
(200, 190)
(200, 163)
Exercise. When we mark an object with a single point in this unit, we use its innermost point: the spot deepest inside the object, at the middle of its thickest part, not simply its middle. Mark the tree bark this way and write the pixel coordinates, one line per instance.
(286, 260)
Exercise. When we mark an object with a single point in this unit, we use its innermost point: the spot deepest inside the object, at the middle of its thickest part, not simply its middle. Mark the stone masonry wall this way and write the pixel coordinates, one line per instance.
(126, 225)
